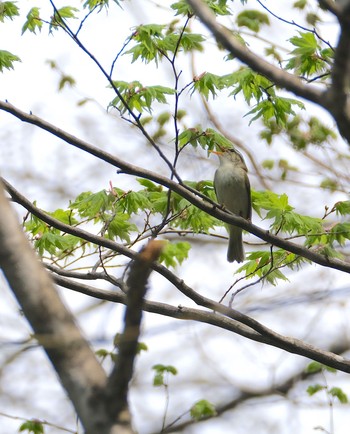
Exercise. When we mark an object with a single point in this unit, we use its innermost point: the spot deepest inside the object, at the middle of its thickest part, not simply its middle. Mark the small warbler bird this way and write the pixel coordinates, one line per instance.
(232, 190)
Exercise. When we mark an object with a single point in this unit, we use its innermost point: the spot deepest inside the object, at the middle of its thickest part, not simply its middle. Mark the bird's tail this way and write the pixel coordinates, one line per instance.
(235, 250)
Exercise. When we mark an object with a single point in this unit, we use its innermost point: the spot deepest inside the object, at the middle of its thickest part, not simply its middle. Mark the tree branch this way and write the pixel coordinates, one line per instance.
(337, 96)
(190, 194)
(118, 381)
(233, 321)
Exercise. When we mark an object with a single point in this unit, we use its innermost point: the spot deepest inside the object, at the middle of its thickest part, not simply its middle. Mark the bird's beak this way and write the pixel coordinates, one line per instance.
(220, 152)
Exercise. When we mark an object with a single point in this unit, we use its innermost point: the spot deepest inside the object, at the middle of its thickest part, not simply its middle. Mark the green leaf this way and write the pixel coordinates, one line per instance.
(312, 19)
(120, 227)
(67, 12)
(208, 82)
(147, 38)
(160, 372)
(250, 83)
(137, 97)
(342, 208)
(93, 4)
(202, 409)
(90, 204)
(103, 353)
(277, 107)
(314, 367)
(300, 4)
(62, 14)
(54, 242)
(8, 10)
(190, 136)
(64, 216)
(219, 7)
(33, 22)
(134, 201)
(340, 232)
(338, 393)
(306, 44)
(66, 80)
(311, 390)
(329, 184)
(7, 59)
(189, 41)
(307, 58)
(265, 266)
(193, 218)
(182, 8)
(150, 186)
(141, 346)
(208, 139)
(284, 218)
(154, 42)
(174, 253)
(32, 426)
(252, 19)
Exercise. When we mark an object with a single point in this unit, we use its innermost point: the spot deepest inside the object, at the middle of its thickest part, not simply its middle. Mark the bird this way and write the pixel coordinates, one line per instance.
(232, 188)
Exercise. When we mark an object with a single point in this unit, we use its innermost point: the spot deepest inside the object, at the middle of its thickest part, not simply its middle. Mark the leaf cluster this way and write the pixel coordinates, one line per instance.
(161, 374)
(309, 57)
(300, 132)
(125, 215)
(7, 59)
(134, 96)
(333, 392)
(254, 87)
(252, 19)
(219, 7)
(8, 10)
(155, 41)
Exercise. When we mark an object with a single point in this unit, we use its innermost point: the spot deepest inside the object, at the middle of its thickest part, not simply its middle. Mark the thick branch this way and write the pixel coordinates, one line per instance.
(190, 195)
(276, 75)
(53, 325)
(338, 102)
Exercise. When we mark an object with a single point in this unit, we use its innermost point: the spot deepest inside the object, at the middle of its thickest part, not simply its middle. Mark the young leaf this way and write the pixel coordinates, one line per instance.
(277, 107)
(174, 253)
(202, 409)
(33, 22)
(314, 367)
(252, 19)
(338, 393)
(90, 204)
(342, 208)
(92, 4)
(311, 390)
(160, 372)
(62, 14)
(120, 227)
(206, 83)
(7, 59)
(8, 10)
(137, 97)
(32, 427)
